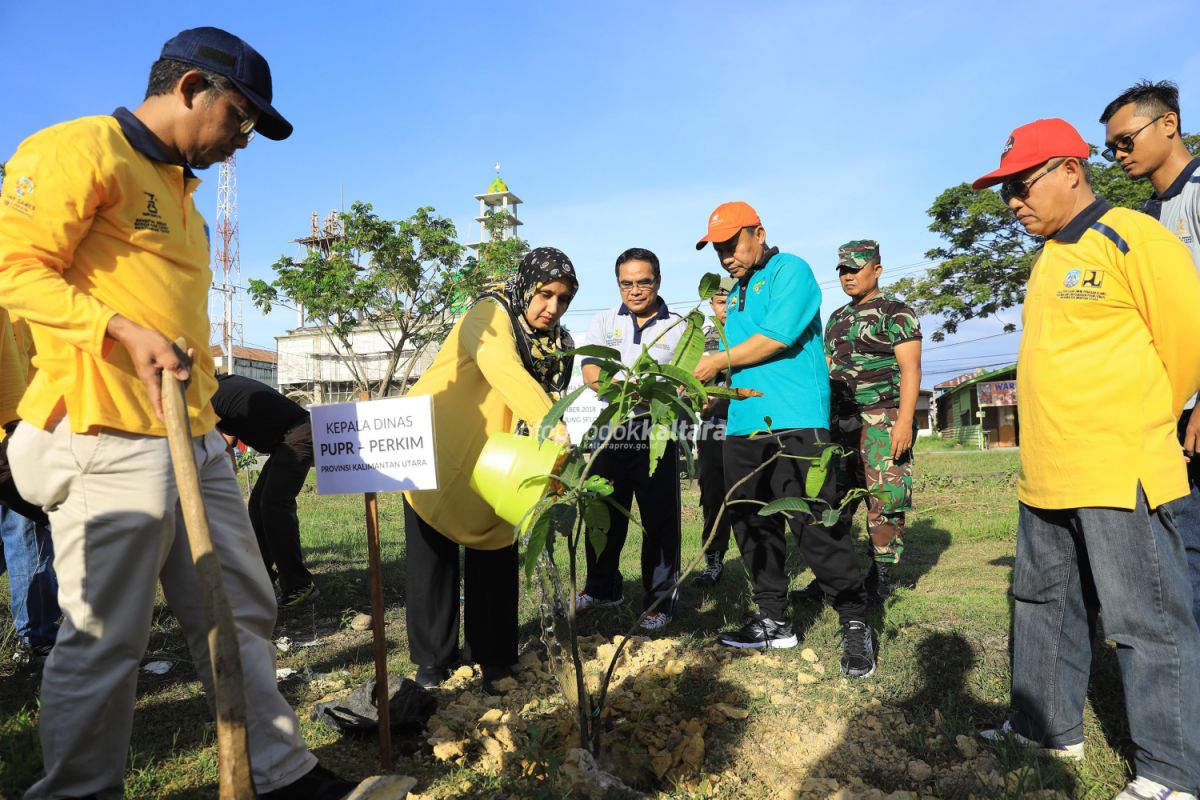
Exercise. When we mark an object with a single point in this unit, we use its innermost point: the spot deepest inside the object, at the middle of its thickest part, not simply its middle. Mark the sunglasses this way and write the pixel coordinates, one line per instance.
(1124, 143)
(1020, 188)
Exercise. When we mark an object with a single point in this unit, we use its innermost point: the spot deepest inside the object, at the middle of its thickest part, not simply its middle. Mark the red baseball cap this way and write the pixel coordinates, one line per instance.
(726, 220)
(1033, 144)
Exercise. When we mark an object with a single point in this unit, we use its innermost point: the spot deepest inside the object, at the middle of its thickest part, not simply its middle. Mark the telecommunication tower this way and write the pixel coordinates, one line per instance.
(229, 261)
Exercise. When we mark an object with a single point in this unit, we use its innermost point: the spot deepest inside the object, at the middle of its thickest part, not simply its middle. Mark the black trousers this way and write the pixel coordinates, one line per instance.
(713, 487)
(490, 583)
(272, 508)
(626, 463)
(830, 554)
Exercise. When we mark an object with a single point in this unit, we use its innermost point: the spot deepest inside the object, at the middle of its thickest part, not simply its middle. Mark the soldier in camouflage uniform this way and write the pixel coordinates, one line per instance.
(873, 346)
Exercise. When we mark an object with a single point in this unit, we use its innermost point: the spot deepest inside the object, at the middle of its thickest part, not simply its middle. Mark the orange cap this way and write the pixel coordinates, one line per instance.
(725, 222)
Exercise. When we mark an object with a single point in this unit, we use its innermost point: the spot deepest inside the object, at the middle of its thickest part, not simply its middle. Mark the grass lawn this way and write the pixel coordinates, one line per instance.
(794, 726)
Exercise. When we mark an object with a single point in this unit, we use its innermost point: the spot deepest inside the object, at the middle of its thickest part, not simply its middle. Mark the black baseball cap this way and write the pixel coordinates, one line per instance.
(224, 54)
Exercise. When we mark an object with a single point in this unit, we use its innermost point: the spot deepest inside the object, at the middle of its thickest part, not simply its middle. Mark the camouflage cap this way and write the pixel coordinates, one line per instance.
(858, 253)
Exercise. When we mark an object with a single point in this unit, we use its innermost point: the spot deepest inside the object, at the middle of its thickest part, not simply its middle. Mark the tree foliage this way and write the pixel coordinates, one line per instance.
(984, 262)
(499, 256)
(401, 279)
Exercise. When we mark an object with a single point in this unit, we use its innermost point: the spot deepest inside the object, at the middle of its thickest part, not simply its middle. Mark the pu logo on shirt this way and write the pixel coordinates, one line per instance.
(1088, 282)
(614, 336)
(150, 220)
(1182, 232)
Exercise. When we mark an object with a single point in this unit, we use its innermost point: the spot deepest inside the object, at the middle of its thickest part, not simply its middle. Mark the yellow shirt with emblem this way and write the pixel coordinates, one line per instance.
(90, 227)
(1109, 354)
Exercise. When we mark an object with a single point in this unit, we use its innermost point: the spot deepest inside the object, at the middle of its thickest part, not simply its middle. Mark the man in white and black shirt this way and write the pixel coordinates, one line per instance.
(1143, 134)
(642, 321)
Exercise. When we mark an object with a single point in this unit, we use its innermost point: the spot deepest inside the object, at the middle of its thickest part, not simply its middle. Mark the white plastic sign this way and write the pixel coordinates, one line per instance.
(374, 446)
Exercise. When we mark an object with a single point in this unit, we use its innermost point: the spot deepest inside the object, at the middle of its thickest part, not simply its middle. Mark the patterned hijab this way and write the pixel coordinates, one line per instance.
(540, 350)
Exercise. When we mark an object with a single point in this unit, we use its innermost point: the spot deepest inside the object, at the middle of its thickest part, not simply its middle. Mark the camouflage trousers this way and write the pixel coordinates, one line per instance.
(868, 464)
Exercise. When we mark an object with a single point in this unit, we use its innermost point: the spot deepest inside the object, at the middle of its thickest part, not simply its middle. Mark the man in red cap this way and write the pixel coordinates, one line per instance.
(773, 327)
(1110, 352)
(104, 254)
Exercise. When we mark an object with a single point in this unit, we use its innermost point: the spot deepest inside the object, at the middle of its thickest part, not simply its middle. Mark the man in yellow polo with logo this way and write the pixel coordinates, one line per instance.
(1109, 354)
(103, 253)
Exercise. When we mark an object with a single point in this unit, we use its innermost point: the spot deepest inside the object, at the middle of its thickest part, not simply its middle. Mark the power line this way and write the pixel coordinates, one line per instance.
(968, 341)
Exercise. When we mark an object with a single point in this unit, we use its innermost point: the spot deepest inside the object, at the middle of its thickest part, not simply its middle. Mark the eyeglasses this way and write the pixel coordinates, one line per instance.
(644, 283)
(1020, 188)
(246, 123)
(1125, 142)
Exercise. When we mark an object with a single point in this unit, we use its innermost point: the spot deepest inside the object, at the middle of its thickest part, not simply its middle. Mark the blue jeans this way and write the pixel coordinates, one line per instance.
(1129, 565)
(28, 556)
(1187, 519)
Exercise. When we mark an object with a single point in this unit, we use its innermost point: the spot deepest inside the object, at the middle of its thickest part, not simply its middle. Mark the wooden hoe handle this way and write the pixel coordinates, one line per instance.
(232, 752)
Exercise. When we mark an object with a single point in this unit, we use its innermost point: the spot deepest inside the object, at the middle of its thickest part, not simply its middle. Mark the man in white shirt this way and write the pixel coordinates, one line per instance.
(641, 322)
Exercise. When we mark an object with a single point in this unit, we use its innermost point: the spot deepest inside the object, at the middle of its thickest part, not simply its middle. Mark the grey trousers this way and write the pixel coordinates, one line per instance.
(118, 532)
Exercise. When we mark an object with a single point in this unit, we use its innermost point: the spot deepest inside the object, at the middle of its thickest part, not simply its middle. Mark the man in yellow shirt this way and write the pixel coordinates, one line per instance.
(1109, 354)
(103, 253)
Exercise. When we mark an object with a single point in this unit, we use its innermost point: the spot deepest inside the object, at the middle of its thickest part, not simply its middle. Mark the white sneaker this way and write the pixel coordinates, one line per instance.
(655, 621)
(1146, 789)
(1067, 752)
(585, 602)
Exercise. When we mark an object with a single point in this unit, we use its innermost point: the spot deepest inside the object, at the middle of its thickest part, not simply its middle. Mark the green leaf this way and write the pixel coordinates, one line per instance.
(596, 351)
(556, 411)
(660, 412)
(598, 521)
(710, 285)
(829, 517)
(568, 476)
(815, 479)
(538, 532)
(819, 470)
(598, 485)
(691, 344)
(660, 435)
(682, 376)
(780, 504)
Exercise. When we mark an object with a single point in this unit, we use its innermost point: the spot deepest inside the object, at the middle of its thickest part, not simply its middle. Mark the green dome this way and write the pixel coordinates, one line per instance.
(498, 186)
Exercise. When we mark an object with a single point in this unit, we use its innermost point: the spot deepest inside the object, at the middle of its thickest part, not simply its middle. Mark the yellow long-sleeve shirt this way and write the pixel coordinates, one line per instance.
(14, 367)
(1109, 354)
(93, 222)
(478, 387)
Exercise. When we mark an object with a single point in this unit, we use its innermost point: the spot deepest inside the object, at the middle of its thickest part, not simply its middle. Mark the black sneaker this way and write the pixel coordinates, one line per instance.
(809, 594)
(30, 654)
(298, 597)
(431, 677)
(879, 583)
(761, 632)
(318, 784)
(713, 568)
(858, 649)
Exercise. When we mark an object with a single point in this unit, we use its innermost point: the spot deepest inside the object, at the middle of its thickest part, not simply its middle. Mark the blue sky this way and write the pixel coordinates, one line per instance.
(623, 124)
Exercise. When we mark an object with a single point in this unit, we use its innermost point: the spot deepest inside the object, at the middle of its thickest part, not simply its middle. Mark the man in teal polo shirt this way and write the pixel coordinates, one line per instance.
(775, 347)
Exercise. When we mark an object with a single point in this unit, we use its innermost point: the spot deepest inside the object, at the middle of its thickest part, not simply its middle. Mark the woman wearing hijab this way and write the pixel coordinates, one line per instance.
(500, 369)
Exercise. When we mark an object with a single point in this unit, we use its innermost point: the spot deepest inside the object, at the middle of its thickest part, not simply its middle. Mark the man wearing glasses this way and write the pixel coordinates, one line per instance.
(774, 331)
(1110, 352)
(1142, 133)
(104, 254)
(641, 322)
